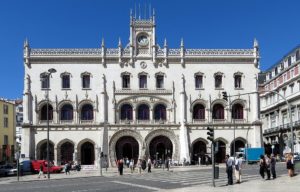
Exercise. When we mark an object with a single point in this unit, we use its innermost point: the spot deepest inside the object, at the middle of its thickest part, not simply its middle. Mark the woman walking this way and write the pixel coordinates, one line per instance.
(290, 164)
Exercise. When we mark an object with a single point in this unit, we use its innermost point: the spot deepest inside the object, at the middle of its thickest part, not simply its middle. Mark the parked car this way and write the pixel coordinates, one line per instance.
(8, 170)
(296, 156)
(36, 166)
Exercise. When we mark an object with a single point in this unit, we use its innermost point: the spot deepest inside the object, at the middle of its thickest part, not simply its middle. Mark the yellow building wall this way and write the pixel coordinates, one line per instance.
(10, 131)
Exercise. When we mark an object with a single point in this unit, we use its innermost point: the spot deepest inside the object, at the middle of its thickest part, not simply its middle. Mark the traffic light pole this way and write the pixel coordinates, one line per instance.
(213, 163)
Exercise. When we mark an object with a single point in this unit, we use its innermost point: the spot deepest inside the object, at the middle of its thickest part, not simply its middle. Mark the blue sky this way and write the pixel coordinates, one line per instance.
(201, 23)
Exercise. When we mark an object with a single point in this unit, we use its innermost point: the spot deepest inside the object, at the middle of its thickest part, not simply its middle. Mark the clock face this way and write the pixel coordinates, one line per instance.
(143, 40)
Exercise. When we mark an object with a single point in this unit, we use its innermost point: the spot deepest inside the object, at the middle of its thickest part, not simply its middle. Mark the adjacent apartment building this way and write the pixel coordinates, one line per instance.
(139, 100)
(284, 79)
(7, 131)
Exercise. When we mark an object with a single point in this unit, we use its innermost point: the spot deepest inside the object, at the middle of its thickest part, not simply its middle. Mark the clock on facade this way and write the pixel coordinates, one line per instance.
(143, 40)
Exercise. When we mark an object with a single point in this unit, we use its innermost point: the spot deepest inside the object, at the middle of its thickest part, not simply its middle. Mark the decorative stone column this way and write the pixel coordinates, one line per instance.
(184, 145)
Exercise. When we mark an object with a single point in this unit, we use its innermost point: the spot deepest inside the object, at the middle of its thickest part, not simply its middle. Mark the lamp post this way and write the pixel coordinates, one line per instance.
(50, 71)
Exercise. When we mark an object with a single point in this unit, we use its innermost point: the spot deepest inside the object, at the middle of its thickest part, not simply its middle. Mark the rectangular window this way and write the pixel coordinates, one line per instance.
(143, 81)
(5, 122)
(298, 55)
(273, 120)
(5, 109)
(66, 81)
(289, 61)
(218, 81)
(276, 70)
(5, 141)
(198, 81)
(292, 88)
(237, 81)
(85, 81)
(159, 81)
(126, 81)
(45, 82)
(284, 118)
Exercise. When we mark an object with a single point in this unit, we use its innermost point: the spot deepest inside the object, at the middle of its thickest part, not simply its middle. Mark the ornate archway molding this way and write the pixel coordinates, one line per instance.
(161, 132)
(114, 139)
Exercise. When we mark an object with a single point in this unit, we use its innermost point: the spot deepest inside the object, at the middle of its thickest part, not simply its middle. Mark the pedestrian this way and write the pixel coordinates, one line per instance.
(41, 172)
(120, 166)
(167, 164)
(262, 166)
(273, 164)
(139, 165)
(67, 168)
(238, 169)
(268, 166)
(149, 165)
(290, 164)
(229, 164)
(131, 165)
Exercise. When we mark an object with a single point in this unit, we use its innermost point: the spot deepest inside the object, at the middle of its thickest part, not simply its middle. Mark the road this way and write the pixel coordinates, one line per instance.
(156, 181)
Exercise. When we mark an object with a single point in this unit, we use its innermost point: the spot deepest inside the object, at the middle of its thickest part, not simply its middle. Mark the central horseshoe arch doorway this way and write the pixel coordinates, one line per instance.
(160, 147)
(127, 147)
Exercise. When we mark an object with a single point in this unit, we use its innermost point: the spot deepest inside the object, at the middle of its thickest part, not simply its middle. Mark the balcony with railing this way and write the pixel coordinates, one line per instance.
(199, 121)
(66, 122)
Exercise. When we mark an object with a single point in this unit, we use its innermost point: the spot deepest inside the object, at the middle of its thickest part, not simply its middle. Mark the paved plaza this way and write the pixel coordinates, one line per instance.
(178, 179)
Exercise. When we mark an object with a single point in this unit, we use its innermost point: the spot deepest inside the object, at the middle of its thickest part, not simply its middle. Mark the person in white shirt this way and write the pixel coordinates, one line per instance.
(238, 169)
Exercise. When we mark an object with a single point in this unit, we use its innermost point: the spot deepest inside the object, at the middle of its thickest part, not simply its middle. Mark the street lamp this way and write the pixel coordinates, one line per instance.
(50, 71)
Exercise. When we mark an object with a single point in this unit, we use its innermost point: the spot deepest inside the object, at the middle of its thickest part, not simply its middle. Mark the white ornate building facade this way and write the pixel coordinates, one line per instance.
(139, 100)
(283, 78)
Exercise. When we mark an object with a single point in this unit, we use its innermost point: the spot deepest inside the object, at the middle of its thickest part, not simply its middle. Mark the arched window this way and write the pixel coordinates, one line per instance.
(143, 112)
(87, 112)
(126, 112)
(44, 112)
(160, 112)
(218, 111)
(198, 112)
(237, 111)
(66, 112)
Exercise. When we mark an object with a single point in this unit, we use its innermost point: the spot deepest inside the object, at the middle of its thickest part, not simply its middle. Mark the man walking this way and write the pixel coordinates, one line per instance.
(273, 164)
(237, 170)
(149, 165)
(229, 164)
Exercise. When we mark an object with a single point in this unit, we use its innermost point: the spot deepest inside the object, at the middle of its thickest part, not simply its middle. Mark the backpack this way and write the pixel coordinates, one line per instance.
(237, 166)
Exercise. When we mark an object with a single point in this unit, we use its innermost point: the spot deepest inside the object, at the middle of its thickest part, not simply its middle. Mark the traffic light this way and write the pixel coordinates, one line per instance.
(101, 154)
(225, 97)
(211, 134)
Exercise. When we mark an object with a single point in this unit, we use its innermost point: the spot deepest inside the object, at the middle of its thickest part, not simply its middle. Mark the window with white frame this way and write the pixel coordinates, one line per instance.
(284, 118)
(218, 80)
(65, 81)
(198, 81)
(273, 120)
(159, 81)
(86, 80)
(143, 81)
(126, 81)
(292, 88)
(238, 81)
(298, 55)
(45, 84)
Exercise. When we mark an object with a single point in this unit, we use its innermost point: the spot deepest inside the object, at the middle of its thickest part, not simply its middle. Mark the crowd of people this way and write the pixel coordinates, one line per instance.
(267, 167)
(141, 164)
